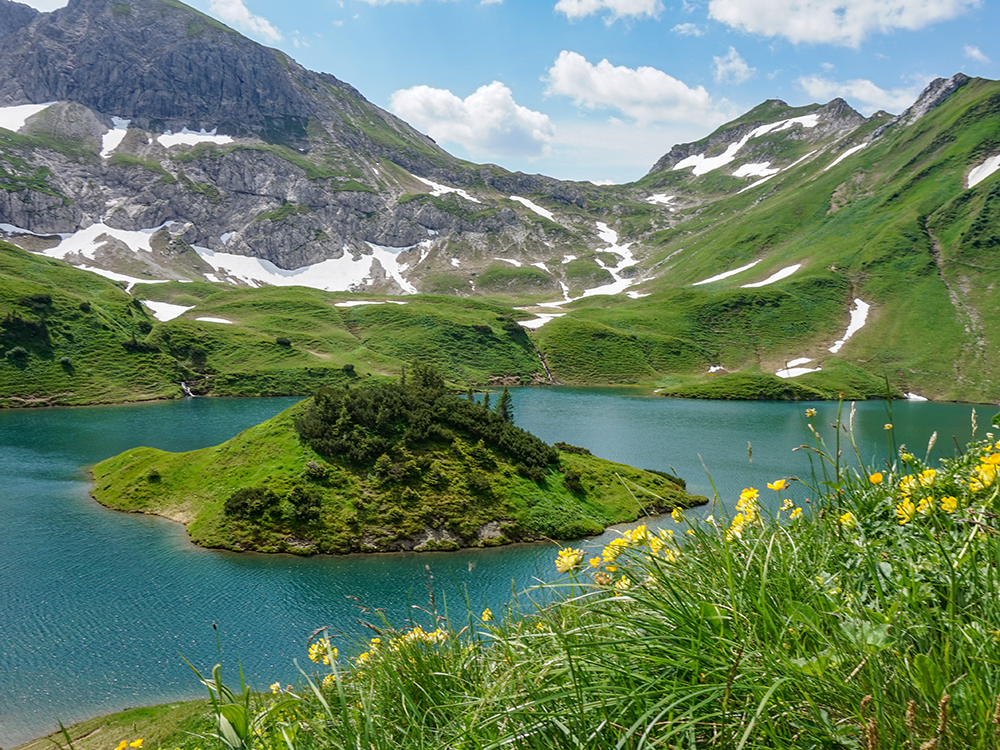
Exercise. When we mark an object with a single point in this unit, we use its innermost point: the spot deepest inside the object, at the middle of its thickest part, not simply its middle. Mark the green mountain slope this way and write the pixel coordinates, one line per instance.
(383, 467)
(892, 224)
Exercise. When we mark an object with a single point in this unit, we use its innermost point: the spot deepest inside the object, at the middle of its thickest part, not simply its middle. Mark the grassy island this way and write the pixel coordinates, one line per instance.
(383, 467)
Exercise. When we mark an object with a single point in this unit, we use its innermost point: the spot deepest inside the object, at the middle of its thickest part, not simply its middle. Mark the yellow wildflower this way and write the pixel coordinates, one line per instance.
(994, 459)
(778, 485)
(906, 456)
(905, 511)
(689, 532)
(848, 521)
(655, 544)
(736, 527)
(677, 515)
(614, 548)
(810, 412)
(122, 745)
(787, 504)
(624, 584)
(319, 651)
(876, 478)
(612, 568)
(595, 562)
(568, 559)
(908, 484)
(749, 494)
(926, 477)
(487, 615)
(925, 506)
(888, 426)
(949, 504)
(329, 681)
(136, 743)
(374, 643)
(795, 513)
(670, 555)
(276, 688)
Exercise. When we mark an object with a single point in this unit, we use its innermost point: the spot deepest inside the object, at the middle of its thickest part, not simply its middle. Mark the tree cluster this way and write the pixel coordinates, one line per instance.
(361, 424)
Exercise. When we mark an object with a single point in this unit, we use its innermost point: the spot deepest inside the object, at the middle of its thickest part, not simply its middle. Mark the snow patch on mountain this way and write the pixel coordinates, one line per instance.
(534, 207)
(661, 199)
(859, 316)
(794, 368)
(13, 118)
(726, 274)
(114, 137)
(702, 164)
(984, 170)
(437, 189)
(849, 152)
(164, 311)
(761, 181)
(763, 169)
(784, 273)
(187, 137)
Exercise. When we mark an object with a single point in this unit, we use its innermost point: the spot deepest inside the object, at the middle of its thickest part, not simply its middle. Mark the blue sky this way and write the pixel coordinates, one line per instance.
(600, 89)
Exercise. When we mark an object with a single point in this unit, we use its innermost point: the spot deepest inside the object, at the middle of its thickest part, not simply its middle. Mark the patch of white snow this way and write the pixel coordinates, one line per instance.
(859, 315)
(516, 263)
(661, 199)
(437, 189)
(726, 274)
(114, 137)
(541, 320)
(761, 181)
(762, 169)
(11, 229)
(702, 164)
(542, 266)
(534, 207)
(849, 152)
(914, 397)
(455, 262)
(359, 302)
(192, 138)
(716, 368)
(165, 311)
(130, 281)
(568, 258)
(984, 170)
(784, 273)
(215, 320)
(636, 295)
(794, 372)
(13, 118)
(224, 239)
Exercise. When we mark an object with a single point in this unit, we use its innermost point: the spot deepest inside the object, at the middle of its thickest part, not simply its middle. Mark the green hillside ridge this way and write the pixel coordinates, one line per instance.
(384, 467)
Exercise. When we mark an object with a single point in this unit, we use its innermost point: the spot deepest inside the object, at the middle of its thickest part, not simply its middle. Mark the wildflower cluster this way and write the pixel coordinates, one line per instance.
(640, 542)
(320, 650)
(125, 743)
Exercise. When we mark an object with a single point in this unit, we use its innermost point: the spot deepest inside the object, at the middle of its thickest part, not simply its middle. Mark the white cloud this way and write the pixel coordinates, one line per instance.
(490, 2)
(236, 13)
(974, 53)
(644, 94)
(614, 9)
(487, 122)
(862, 93)
(687, 29)
(732, 68)
(845, 22)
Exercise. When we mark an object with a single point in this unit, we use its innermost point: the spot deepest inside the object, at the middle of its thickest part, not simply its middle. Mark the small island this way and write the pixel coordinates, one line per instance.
(381, 467)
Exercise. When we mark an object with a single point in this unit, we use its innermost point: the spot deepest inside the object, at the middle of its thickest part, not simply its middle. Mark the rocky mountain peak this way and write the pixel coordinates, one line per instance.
(931, 97)
(14, 16)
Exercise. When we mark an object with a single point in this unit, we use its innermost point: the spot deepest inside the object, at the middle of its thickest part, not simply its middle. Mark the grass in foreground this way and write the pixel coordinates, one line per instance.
(869, 620)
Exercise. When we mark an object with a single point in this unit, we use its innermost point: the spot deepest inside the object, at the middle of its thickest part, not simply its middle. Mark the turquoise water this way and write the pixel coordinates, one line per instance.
(97, 608)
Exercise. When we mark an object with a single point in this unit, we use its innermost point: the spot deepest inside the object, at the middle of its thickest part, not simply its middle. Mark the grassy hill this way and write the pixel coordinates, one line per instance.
(68, 336)
(383, 466)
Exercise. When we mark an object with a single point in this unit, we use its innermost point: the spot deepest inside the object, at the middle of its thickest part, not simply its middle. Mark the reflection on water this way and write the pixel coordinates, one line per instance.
(97, 608)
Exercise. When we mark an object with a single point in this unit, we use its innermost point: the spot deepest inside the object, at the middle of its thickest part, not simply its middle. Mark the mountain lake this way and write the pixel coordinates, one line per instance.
(99, 609)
